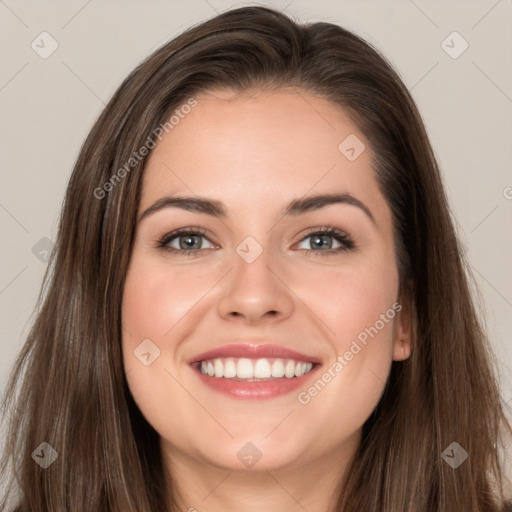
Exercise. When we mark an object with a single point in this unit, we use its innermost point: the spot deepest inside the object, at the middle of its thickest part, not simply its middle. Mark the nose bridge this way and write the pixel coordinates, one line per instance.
(253, 287)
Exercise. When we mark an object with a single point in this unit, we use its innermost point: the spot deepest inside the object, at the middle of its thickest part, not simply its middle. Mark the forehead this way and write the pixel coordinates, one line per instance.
(261, 147)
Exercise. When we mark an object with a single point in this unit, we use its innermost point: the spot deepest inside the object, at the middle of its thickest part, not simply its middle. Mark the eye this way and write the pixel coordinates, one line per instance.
(325, 240)
(185, 240)
(188, 241)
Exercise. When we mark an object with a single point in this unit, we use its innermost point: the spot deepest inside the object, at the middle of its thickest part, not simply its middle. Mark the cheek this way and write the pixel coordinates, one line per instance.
(362, 311)
(350, 299)
(156, 299)
(150, 306)
(358, 309)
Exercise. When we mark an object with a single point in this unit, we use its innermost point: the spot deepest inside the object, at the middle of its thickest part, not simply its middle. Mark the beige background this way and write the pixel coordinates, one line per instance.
(48, 105)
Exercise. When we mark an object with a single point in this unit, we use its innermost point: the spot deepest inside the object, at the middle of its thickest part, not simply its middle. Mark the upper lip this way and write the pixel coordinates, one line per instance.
(253, 351)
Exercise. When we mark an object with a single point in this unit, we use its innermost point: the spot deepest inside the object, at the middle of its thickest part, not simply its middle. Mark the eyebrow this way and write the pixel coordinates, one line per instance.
(217, 208)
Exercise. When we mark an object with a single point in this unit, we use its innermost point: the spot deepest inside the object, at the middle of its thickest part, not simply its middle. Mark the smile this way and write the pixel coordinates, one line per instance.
(253, 370)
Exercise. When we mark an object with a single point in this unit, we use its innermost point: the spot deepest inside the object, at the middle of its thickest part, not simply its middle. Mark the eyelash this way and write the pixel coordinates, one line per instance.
(338, 235)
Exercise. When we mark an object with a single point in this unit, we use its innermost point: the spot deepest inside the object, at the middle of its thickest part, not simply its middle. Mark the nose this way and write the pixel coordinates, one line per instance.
(255, 292)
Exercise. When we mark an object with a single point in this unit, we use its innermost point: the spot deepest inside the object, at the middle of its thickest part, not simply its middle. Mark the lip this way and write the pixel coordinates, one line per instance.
(253, 351)
(259, 389)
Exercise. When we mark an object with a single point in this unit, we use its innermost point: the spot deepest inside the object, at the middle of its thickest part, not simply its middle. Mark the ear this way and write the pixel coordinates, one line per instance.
(403, 330)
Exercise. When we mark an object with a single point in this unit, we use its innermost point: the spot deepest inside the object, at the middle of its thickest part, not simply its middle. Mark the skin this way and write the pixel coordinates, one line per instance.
(256, 153)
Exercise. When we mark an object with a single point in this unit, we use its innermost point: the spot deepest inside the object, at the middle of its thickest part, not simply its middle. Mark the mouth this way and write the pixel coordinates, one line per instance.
(254, 372)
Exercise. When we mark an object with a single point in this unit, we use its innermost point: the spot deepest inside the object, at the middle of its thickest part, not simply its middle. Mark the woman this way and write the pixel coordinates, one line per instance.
(257, 299)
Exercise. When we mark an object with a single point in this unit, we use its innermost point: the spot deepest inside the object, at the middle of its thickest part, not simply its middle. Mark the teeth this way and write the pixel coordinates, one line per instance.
(219, 368)
(245, 368)
(262, 369)
(229, 368)
(277, 368)
(289, 369)
(300, 371)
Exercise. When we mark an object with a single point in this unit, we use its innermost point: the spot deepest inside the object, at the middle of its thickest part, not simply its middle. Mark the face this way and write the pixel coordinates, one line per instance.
(262, 280)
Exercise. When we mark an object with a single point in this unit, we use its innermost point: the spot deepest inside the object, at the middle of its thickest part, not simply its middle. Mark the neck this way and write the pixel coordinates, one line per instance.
(199, 486)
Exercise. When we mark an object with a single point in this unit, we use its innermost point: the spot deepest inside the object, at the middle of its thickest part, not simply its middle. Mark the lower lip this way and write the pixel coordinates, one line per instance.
(256, 390)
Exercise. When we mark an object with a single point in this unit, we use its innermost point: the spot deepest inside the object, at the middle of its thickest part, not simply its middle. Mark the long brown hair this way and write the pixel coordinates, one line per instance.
(68, 387)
